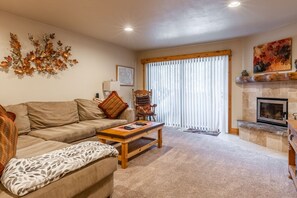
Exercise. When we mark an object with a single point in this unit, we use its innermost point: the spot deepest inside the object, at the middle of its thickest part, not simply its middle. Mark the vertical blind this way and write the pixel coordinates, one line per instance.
(191, 93)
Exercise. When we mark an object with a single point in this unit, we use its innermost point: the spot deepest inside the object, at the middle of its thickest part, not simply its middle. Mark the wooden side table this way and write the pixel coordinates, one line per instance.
(292, 138)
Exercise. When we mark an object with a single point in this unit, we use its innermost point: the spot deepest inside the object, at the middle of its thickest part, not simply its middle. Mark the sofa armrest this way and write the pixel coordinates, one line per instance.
(128, 114)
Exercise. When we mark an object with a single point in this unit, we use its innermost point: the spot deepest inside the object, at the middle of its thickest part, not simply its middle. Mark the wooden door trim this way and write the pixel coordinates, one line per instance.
(234, 131)
(186, 56)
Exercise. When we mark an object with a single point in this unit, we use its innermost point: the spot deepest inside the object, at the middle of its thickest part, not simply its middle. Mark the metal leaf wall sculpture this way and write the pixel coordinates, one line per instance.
(45, 58)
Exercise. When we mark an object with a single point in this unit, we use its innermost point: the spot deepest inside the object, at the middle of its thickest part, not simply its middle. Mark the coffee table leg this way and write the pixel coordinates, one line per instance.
(160, 138)
(124, 155)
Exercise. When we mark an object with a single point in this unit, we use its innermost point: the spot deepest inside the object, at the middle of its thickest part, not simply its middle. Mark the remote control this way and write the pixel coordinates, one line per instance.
(128, 128)
(140, 123)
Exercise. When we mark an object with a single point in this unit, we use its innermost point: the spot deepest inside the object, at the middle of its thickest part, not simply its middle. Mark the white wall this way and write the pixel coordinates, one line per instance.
(236, 47)
(97, 63)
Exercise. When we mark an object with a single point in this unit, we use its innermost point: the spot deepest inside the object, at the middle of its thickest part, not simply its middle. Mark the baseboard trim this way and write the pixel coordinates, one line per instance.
(234, 131)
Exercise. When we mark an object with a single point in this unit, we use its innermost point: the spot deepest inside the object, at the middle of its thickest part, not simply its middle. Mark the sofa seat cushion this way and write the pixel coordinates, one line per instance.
(67, 133)
(104, 123)
(39, 148)
(94, 138)
(52, 114)
(27, 140)
(22, 121)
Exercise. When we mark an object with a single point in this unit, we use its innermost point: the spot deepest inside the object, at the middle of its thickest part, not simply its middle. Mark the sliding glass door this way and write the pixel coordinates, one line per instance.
(191, 93)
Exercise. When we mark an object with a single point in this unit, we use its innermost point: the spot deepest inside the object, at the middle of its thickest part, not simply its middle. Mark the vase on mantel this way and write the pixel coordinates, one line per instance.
(244, 73)
(292, 75)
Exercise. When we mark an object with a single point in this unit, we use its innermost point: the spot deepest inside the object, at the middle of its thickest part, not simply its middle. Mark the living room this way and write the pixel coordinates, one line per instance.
(241, 162)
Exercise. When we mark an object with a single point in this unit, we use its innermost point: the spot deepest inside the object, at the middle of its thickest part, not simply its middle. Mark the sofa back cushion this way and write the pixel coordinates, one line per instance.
(52, 114)
(89, 110)
(22, 121)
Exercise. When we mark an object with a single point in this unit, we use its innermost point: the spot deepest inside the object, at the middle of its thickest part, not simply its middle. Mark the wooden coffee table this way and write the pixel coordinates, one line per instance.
(130, 138)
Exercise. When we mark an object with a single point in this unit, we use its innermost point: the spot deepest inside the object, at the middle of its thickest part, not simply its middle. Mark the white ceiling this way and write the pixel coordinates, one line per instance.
(158, 23)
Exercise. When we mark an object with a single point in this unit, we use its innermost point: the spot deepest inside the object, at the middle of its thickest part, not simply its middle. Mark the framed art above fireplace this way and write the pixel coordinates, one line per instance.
(272, 111)
(274, 56)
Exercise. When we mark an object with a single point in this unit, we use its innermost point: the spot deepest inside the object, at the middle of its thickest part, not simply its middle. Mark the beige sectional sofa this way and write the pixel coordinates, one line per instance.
(48, 126)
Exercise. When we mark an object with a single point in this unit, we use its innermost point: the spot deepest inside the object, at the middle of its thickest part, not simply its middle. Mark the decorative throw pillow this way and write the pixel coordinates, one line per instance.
(8, 136)
(2, 110)
(113, 105)
(144, 109)
(10, 115)
(22, 121)
(143, 100)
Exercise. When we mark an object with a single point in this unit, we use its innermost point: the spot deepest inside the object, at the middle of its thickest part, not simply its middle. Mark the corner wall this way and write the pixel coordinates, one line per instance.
(97, 63)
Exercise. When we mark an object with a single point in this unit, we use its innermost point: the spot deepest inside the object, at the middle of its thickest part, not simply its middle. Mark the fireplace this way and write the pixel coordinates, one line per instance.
(272, 111)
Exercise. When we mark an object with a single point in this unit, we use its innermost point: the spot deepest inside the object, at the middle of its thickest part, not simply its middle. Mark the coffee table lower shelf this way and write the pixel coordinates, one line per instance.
(132, 142)
(137, 146)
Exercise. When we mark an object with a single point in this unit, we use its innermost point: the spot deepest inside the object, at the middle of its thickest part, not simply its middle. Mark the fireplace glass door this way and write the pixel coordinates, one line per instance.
(272, 111)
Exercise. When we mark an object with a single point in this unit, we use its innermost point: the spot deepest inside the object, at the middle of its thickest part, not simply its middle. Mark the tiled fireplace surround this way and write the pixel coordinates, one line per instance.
(270, 90)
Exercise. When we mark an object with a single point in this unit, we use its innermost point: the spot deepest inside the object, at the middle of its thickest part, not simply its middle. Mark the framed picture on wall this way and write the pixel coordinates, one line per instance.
(274, 56)
(125, 75)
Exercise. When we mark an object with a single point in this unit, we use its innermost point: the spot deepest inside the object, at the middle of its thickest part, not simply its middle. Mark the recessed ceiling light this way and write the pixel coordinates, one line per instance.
(128, 29)
(234, 4)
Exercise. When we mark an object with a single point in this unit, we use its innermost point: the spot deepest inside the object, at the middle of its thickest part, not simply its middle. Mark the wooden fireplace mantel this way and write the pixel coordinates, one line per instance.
(271, 77)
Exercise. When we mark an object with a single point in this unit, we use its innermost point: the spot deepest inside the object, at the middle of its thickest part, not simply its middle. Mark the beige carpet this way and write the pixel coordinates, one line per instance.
(194, 165)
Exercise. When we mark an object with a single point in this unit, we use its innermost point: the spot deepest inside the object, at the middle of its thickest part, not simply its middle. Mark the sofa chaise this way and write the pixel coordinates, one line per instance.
(47, 126)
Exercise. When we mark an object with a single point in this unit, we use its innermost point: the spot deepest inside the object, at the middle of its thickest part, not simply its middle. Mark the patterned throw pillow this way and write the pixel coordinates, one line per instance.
(143, 100)
(113, 105)
(144, 109)
(10, 115)
(2, 110)
(8, 137)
